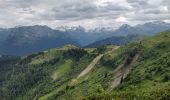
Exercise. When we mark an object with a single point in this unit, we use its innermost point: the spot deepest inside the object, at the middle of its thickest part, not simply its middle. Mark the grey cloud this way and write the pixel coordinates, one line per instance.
(113, 7)
(81, 11)
(166, 2)
(20, 3)
(75, 11)
(151, 17)
(153, 11)
(139, 2)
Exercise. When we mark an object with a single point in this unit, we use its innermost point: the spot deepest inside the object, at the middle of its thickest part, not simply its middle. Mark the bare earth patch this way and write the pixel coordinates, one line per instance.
(121, 72)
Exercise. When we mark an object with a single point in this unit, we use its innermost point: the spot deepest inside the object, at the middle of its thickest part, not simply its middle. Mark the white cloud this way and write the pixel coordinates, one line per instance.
(121, 19)
(88, 13)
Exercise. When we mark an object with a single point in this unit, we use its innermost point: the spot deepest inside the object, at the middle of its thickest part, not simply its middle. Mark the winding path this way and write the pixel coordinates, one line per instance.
(94, 62)
(90, 66)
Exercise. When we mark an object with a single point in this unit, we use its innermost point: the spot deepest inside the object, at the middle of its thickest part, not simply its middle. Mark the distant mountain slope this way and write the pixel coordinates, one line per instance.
(24, 40)
(126, 33)
(117, 40)
(7, 58)
(85, 38)
(136, 70)
(149, 28)
(30, 39)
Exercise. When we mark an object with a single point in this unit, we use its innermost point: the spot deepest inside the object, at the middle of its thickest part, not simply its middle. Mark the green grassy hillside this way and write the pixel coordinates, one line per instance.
(149, 79)
(135, 71)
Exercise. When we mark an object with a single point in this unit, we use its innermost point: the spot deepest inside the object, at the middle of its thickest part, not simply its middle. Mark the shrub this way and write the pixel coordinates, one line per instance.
(76, 54)
(166, 78)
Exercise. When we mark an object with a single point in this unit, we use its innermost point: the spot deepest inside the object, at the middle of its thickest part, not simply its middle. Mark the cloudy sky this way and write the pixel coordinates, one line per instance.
(87, 13)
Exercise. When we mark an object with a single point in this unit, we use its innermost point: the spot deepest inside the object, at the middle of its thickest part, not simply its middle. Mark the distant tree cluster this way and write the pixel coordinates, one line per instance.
(76, 54)
(101, 49)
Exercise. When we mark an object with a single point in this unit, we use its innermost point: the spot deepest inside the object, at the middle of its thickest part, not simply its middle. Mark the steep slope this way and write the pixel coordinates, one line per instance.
(137, 70)
(33, 76)
(149, 78)
(121, 73)
(30, 39)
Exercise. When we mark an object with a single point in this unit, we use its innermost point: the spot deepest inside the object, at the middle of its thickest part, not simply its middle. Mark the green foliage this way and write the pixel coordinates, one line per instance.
(32, 77)
(107, 60)
(149, 79)
(75, 53)
(101, 49)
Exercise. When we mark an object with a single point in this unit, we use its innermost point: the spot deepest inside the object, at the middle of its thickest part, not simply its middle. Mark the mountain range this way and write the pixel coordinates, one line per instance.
(28, 39)
(24, 40)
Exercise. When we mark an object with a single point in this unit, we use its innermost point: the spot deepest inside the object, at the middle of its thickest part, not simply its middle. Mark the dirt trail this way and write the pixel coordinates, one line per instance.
(89, 67)
(94, 62)
(121, 72)
(112, 50)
